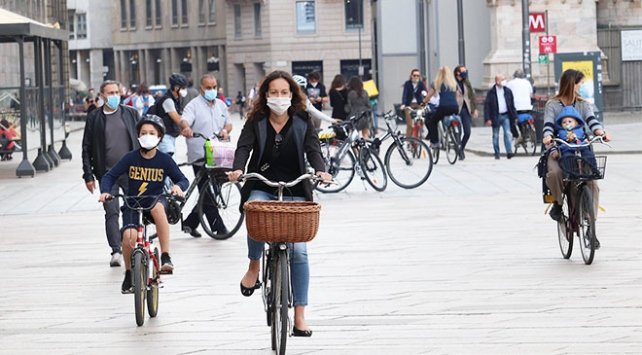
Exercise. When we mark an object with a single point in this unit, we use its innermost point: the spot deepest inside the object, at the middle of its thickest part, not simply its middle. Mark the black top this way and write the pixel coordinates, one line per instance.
(276, 164)
(338, 100)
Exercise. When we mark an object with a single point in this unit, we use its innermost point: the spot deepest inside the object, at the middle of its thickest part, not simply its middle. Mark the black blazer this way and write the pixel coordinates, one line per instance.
(491, 107)
(253, 138)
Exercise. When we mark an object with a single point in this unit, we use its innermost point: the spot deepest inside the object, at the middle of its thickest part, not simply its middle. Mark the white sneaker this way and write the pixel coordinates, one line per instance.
(115, 259)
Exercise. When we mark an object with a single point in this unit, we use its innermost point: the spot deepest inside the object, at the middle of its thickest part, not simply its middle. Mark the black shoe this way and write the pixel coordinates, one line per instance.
(510, 155)
(496, 156)
(248, 291)
(127, 287)
(301, 333)
(218, 227)
(597, 244)
(556, 212)
(166, 264)
(193, 232)
(462, 156)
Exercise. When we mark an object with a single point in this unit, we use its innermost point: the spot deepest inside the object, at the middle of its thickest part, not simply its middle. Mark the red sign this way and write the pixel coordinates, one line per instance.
(547, 44)
(537, 21)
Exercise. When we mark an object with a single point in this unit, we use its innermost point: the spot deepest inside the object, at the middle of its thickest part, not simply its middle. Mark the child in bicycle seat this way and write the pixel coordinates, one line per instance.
(570, 127)
(146, 169)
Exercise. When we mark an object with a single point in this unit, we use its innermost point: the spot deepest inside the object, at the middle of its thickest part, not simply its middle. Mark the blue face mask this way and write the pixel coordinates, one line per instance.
(113, 101)
(209, 95)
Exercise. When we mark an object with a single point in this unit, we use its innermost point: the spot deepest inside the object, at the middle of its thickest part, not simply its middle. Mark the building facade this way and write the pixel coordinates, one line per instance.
(91, 58)
(154, 38)
(300, 36)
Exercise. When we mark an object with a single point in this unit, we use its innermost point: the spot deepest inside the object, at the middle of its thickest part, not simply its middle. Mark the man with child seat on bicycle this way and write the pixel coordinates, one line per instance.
(146, 169)
(279, 135)
(568, 95)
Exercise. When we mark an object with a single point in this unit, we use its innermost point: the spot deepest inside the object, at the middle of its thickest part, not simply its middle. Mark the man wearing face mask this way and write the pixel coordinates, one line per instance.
(467, 105)
(413, 94)
(207, 115)
(499, 110)
(170, 109)
(110, 133)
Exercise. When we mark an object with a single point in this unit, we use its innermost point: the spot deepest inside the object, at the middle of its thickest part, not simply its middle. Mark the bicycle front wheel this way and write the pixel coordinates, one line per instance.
(152, 292)
(531, 139)
(226, 199)
(408, 162)
(341, 168)
(139, 279)
(586, 225)
(373, 170)
(452, 145)
(281, 292)
(565, 232)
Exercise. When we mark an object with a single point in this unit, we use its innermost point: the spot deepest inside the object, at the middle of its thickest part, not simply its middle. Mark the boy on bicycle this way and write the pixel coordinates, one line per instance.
(147, 169)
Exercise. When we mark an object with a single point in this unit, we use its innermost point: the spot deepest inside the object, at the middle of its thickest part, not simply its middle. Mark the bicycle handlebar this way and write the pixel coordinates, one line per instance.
(598, 139)
(126, 199)
(306, 176)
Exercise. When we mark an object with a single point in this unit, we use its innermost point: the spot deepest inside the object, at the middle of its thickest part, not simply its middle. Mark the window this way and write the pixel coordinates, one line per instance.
(211, 17)
(201, 11)
(71, 16)
(149, 13)
(174, 12)
(257, 18)
(81, 30)
(305, 16)
(159, 16)
(132, 13)
(184, 12)
(123, 14)
(237, 20)
(354, 14)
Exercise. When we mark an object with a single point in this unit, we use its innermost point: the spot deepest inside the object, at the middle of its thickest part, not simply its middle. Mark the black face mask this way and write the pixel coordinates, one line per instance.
(463, 75)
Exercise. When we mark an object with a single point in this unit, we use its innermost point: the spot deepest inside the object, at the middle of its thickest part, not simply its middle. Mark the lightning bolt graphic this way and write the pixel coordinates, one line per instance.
(142, 188)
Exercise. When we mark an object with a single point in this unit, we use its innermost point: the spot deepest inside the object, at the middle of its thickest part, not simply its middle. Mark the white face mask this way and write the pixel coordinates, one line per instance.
(182, 92)
(279, 105)
(148, 141)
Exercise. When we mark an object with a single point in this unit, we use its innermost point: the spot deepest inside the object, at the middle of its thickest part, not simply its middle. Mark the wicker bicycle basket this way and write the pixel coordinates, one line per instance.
(282, 221)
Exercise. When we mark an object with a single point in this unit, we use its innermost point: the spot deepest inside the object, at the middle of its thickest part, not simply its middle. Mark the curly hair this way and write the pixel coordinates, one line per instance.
(260, 108)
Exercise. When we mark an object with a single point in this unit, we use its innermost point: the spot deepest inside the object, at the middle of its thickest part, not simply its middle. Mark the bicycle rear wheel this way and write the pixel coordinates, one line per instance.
(408, 162)
(139, 279)
(442, 141)
(152, 292)
(342, 170)
(281, 292)
(452, 145)
(227, 199)
(531, 142)
(373, 170)
(586, 224)
(564, 232)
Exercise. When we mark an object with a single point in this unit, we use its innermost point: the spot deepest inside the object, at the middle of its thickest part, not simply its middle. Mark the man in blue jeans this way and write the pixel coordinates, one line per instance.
(499, 110)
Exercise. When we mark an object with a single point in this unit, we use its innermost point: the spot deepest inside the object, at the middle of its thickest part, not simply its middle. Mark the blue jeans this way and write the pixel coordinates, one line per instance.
(504, 122)
(299, 268)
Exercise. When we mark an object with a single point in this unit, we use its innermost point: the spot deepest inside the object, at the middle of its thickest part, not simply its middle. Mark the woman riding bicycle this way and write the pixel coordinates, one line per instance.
(447, 89)
(279, 135)
(568, 95)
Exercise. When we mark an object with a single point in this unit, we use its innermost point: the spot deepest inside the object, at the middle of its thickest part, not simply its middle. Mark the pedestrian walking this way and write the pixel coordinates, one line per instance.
(207, 115)
(338, 97)
(316, 93)
(110, 133)
(499, 110)
(467, 105)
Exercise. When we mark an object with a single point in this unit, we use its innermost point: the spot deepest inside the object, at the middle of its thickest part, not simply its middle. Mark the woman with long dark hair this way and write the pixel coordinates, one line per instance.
(338, 97)
(358, 102)
(279, 134)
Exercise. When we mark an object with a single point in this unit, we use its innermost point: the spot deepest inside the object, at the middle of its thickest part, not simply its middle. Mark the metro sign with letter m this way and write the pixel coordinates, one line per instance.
(537, 22)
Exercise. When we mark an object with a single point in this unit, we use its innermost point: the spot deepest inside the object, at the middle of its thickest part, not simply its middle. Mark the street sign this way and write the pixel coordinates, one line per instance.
(537, 22)
(542, 59)
(547, 44)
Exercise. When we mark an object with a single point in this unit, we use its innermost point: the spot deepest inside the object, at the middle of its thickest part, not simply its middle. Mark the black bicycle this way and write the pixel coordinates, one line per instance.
(279, 223)
(347, 154)
(578, 211)
(527, 137)
(217, 190)
(408, 160)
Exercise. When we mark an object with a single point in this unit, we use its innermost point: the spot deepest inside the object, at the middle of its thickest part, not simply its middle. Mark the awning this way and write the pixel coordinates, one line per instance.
(13, 24)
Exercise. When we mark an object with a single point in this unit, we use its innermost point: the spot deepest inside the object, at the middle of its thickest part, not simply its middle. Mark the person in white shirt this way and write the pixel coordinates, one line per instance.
(499, 110)
(207, 115)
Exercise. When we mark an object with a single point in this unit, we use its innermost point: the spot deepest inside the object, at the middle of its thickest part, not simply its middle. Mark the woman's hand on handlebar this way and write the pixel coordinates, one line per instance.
(104, 197)
(547, 140)
(176, 191)
(327, 178)
(234, 175)
(601, 133)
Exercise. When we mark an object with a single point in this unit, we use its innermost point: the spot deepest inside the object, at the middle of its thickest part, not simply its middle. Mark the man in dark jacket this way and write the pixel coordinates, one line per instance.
(110, 133)
(499, 110)
(412, 96)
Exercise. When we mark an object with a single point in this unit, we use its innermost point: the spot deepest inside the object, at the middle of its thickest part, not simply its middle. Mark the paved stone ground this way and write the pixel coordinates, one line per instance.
(467, 263)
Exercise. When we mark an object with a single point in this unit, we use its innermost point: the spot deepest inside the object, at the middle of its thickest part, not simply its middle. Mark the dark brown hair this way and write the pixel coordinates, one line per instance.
(356, 84)
(338, 81)
(260, 108)
(568, 80)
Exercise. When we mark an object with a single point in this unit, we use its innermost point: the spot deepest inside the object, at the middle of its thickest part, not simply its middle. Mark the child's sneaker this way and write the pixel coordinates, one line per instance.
(127, 287)
(166, 264)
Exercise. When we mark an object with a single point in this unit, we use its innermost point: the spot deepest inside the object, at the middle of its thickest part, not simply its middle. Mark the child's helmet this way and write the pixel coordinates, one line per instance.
(154, 120)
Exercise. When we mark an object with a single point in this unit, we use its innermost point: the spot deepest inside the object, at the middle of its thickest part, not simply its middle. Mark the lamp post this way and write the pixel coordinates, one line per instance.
(360, 24)
(526, 41)
(460, 30)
